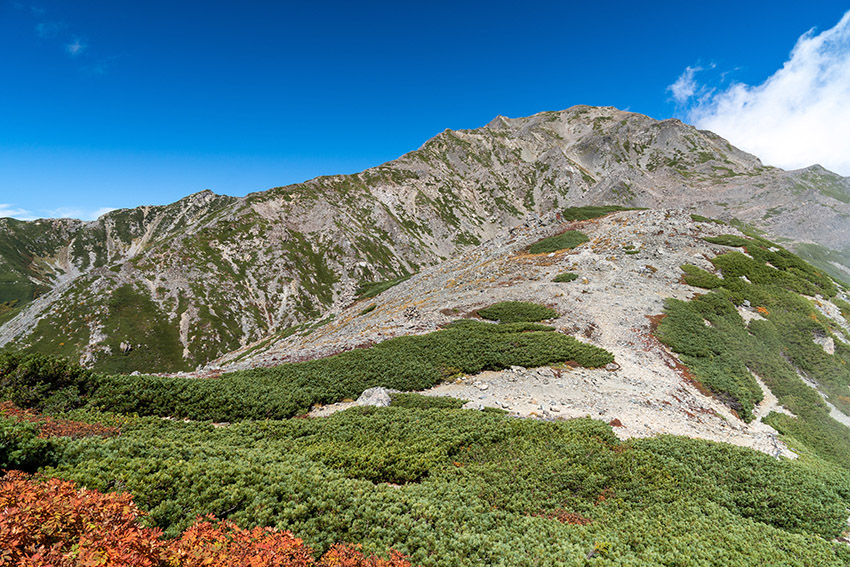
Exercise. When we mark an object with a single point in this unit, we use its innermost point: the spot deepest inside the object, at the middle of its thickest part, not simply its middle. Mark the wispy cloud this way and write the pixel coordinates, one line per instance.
(82, 213)
(77, 213)
(797, 117)
(75, 47)
(11, 211)
(49, 30)
(686, 87)
(53, 30)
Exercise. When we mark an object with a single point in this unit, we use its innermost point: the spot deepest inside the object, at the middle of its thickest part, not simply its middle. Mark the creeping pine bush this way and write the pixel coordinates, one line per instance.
(725, 353)
(563, 241)
(729, 240)
(591, 212)
(843, 306)
(403, 363)
(44, 383)
(21, 446)
(371, 289)
(451, 487)
(517, 312)
(700, 218)
(565, 277)
(418, 401)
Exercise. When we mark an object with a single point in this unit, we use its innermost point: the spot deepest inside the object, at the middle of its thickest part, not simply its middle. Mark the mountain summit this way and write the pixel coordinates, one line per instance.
(173, 287)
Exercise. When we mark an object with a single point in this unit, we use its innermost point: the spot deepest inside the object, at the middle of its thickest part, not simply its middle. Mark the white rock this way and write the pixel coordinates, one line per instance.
(376, 397)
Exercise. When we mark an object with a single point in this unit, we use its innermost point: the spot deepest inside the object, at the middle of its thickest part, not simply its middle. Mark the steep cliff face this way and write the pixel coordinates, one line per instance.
(170, 288)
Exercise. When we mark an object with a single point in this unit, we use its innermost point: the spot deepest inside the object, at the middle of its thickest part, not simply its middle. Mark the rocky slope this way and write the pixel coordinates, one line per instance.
(627, 269)
(169, 288)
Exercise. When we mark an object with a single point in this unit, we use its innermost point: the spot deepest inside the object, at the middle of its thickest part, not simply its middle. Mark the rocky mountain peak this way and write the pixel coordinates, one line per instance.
(211, 273)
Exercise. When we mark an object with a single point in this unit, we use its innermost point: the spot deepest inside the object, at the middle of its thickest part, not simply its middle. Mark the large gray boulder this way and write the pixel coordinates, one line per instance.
(376, 397)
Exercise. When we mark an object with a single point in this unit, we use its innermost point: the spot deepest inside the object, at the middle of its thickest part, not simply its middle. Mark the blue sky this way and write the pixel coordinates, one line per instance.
(109, 104)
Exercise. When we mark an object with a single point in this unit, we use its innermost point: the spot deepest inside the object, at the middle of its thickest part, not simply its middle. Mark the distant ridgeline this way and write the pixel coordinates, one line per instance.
(183, 284)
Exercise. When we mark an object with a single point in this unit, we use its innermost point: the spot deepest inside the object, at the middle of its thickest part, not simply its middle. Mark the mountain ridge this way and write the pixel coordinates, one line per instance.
(213, 273)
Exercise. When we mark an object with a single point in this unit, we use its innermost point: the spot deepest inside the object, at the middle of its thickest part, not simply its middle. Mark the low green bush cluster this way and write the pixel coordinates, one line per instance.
(700, 218)
(403, 363)
(769, 263)
(371, 289)
(517, 312)
(44, 383)
(20, 446)
(728, 240)
(700, 278)
(723, 352)
(371, 307)
(460, 488)
(592, 212)
(565, 277)
(563, 241)
(843, 306)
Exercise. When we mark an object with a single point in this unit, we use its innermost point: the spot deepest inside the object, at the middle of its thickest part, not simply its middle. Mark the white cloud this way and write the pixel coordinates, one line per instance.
(12, 211)
(7, 210)
(798, 117)
(686, 86)
(77, 213)
(75, 47)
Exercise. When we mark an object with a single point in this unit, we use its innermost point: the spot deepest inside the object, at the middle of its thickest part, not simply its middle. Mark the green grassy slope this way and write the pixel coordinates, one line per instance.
(724, 352)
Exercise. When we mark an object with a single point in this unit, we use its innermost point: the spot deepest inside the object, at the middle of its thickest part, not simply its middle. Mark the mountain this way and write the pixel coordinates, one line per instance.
(174, 287)
(619, 283)
(628, 286)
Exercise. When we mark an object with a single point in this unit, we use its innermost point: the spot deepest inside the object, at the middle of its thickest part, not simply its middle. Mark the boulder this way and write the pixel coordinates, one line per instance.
(376, 397)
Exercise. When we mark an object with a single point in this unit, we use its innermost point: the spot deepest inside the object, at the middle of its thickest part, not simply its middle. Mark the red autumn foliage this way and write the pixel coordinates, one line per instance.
(565, 517)
(51, 523)
(224, 544)
(51, 427)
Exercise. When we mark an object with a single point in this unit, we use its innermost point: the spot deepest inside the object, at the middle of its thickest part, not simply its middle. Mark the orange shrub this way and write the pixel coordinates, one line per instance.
(224, 544)
(50, 427)
(51, 523)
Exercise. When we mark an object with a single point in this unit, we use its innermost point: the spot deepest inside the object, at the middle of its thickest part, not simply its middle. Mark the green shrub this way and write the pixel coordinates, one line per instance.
(462, 488)
(563, 241)
(403, 363)
(700, 278)
(723, 355)
(843, 306)
(371, 289)
(565, 277)
(21, 448)
(770, 263)
(517, 312)
(592, 212)
(45, 383)
(700, 218)
(728, 240)
(368, 309)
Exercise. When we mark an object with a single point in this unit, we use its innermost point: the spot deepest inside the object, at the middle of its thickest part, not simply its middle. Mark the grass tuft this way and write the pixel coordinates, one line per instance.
(563, 241)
